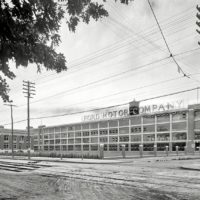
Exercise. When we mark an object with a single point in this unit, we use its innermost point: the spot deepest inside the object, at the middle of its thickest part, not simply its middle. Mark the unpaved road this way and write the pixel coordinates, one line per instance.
(139, 179)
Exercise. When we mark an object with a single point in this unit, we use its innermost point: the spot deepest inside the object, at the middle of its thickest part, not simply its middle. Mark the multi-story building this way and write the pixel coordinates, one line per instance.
(171, 128)
(20, 142)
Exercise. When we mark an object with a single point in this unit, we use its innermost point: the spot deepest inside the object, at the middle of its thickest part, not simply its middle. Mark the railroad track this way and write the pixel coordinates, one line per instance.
(20, 167)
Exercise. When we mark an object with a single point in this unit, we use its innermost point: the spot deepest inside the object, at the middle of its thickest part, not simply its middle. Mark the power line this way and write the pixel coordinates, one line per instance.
(108, 107)
(171, 55)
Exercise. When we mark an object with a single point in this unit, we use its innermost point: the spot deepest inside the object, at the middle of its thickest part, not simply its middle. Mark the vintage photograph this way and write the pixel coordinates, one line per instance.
(99, 99)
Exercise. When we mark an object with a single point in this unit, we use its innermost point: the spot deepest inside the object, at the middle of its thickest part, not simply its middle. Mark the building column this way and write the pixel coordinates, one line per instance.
(190, 131)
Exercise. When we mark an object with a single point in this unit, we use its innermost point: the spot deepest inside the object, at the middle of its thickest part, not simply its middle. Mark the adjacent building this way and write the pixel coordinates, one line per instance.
(20, 140)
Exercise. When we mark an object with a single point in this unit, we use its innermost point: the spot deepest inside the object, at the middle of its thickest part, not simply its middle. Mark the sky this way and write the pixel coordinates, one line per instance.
(113, 61)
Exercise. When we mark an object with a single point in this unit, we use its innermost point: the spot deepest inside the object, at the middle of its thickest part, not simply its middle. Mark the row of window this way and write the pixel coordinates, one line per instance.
(115, 147)
(115, 139)
(177, 116)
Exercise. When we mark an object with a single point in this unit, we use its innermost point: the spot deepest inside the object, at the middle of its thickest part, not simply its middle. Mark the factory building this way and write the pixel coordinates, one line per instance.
(171, 128)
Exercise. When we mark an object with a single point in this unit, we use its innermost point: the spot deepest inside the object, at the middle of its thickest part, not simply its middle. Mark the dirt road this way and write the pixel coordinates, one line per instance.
(140, 179)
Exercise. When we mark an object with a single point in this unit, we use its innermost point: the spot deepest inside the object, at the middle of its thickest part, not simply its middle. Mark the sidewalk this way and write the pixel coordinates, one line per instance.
(101, 161)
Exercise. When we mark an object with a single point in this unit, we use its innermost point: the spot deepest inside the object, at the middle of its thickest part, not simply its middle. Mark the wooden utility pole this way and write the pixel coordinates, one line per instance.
(11, 110)
(29, 90)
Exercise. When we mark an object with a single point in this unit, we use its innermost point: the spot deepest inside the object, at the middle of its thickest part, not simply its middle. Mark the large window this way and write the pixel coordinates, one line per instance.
(103, 132)
(113, 147)
(85, 126)
(197, 135)
(124, 130)
(94, 133)
(149, 128)
(136, 129)
(163, 118)
(78, 140)
(134, 147)
(124, 122)
(179, 126)
(113, 139)
(135, 120)
(70, 135)
(86, 133)
(94, 140)
(103, 124)
(103, 139)
(85, 147)
(162, 146)
(179, 116)
(113, 131)
(163, 127)
(124, 138)
(86, 140)
(148, 147)
(179, 136)
(135, 138)
(113, 123)
(77, 134)
(163, 137)
(149, 137)
(94, 147)
(149, 119)
(94, 126)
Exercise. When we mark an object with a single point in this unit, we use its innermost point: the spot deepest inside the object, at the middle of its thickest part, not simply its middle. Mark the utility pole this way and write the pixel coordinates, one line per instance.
(11, 110)
(28, 89)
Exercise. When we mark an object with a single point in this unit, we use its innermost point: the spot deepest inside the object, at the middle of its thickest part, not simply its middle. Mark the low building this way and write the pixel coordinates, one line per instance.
(180, 127)
(20, 140)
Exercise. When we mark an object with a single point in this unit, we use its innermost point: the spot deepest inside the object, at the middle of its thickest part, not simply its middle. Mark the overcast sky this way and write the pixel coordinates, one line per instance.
(109, 63)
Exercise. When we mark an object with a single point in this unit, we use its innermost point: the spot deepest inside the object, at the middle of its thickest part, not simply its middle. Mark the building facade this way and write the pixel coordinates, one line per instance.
(20, 140)
(172, 128)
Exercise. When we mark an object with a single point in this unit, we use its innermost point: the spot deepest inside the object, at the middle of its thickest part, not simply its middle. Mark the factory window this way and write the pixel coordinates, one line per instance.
(135, 138)
(113, 139)
(197, 135)
(85, 147)
(57, 129)
(94, 140)
(149, 128)
(94, 133)
(163, 127)
(64, 148)
(70, 128)
(77, 134)
(149, 119)
(179, 126)
(162, 146)
(85, 126)
(5, 146)
(57, 148)
(51, 148)
(77, 147)
(103, 139)
(94, 126)
(57, 135)
(124, 138)
(123, 122)
(77, 127)
(113, 123)
(181, 146)
(136, 129)
(179, 116)
(113, 131)
(5, 137)
(103, 124)
(64, 141)
(51, 141)
(94, 147)
(163, 137)
(103, 132)
(163, 118)
(51, 136)
(71, 141)
(46, 148)
(63, 129)
(126, 147)
(148, 147)
(113, 147)
(124, 130)
(78, 140)
(70, 135)
(148, 138)
(58, 141)
(45, 136)
(86, 133)
(179, 136)
(85, 140)
(70, 148)
(134, 147)
(135, 120)
(64, 135)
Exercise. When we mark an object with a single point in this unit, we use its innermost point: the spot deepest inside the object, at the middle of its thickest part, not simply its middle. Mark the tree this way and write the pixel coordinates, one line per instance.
(29, 33)
(198, 22)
